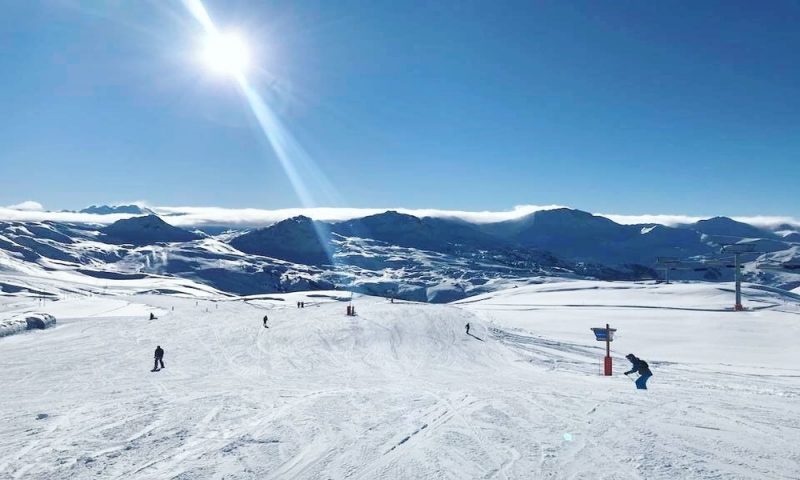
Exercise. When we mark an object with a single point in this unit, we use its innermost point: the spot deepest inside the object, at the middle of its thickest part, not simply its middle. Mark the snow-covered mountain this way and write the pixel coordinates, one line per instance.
(298, 240)
(427, 259)
(726, 227)
(427, 233)
(145, 230)
(116, 209)
(581, 236)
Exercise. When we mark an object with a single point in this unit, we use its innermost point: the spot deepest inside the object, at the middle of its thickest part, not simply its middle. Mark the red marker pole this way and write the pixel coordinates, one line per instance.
(607, 363)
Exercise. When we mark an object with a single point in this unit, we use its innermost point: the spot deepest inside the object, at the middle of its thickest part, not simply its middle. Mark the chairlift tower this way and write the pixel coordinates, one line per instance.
(738, 249)
(667, 263)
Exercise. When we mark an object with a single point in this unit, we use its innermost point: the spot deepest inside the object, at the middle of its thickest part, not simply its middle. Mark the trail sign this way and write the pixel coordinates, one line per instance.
(602, 334)
(605, 335)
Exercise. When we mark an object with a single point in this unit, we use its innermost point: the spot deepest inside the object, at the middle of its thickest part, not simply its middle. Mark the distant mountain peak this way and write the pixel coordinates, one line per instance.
(146, 230)
(297, 219)
(295, 239)
(390, 216)
(718, 220)
(728, 227)
(116, 209)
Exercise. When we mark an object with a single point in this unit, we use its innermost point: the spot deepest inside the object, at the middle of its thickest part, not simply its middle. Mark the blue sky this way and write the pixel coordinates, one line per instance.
(624, 107)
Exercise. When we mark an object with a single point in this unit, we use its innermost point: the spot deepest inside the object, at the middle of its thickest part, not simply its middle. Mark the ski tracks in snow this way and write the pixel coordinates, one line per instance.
(397, 392)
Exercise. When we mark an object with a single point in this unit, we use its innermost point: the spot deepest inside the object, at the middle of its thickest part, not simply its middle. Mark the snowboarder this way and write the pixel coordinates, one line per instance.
(152, 316)
(159, 358)
(639, 365)
(467, 328)
(265, 321)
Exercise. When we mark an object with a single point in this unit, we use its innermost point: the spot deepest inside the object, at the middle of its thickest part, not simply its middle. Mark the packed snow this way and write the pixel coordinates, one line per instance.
(400, 390)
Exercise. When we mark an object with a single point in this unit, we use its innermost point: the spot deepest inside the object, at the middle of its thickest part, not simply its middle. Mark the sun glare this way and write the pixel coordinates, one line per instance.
(226, 53)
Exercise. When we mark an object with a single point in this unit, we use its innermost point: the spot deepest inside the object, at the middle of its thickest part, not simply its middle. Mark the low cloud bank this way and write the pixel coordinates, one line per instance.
(253, 217)
(198, 216)
(28, 206)
(15, 215)
(763, 221)
(189, 217)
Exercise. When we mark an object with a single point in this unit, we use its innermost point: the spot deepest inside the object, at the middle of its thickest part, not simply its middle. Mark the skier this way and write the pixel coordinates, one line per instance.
(639, 365)
(265, 321)
(159, 358)
(152, 316)
(467, 328)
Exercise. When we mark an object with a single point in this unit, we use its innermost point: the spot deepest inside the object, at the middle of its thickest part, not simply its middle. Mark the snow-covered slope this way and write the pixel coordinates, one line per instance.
(298, 240)
(31, 252)
(400, 391)
(427, 233)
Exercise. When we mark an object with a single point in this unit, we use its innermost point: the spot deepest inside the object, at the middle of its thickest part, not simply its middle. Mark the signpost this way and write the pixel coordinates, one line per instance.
(605, 335)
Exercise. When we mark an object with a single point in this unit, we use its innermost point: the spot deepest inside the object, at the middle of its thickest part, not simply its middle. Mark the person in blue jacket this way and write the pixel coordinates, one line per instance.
(639, 365)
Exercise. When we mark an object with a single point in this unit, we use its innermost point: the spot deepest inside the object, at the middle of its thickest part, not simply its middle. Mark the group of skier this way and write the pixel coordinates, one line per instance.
(637, 364)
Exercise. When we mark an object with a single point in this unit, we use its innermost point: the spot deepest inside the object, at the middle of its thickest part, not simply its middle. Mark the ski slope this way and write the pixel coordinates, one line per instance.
(400, 391)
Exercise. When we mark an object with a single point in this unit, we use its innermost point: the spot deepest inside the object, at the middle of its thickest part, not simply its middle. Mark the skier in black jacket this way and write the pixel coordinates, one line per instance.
(159, 358)
(639, 365)
(265, 321)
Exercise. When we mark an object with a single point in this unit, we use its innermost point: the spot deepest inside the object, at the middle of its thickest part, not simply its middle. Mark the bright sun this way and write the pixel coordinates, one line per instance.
(226, 53)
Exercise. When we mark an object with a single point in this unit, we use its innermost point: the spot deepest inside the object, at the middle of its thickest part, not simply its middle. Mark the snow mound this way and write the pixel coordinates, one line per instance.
(35, 321)
(40, 321)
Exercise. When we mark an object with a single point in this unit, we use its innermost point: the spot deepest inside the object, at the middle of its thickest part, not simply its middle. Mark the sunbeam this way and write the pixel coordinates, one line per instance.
(229, 54)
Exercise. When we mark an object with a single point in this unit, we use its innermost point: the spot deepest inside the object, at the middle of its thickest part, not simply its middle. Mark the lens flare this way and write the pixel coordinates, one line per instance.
(226, 53)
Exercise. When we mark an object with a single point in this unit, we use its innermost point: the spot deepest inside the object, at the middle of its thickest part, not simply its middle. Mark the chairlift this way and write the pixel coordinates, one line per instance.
(738, 248)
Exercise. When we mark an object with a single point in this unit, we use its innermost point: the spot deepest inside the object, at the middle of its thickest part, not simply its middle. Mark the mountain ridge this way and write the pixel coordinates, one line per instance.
(389, 253)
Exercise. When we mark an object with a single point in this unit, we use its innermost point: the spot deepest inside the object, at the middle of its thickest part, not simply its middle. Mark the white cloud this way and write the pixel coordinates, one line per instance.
(769, 222)
(189, 217)
(28, 205)
(10, 214)
(198, 216)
